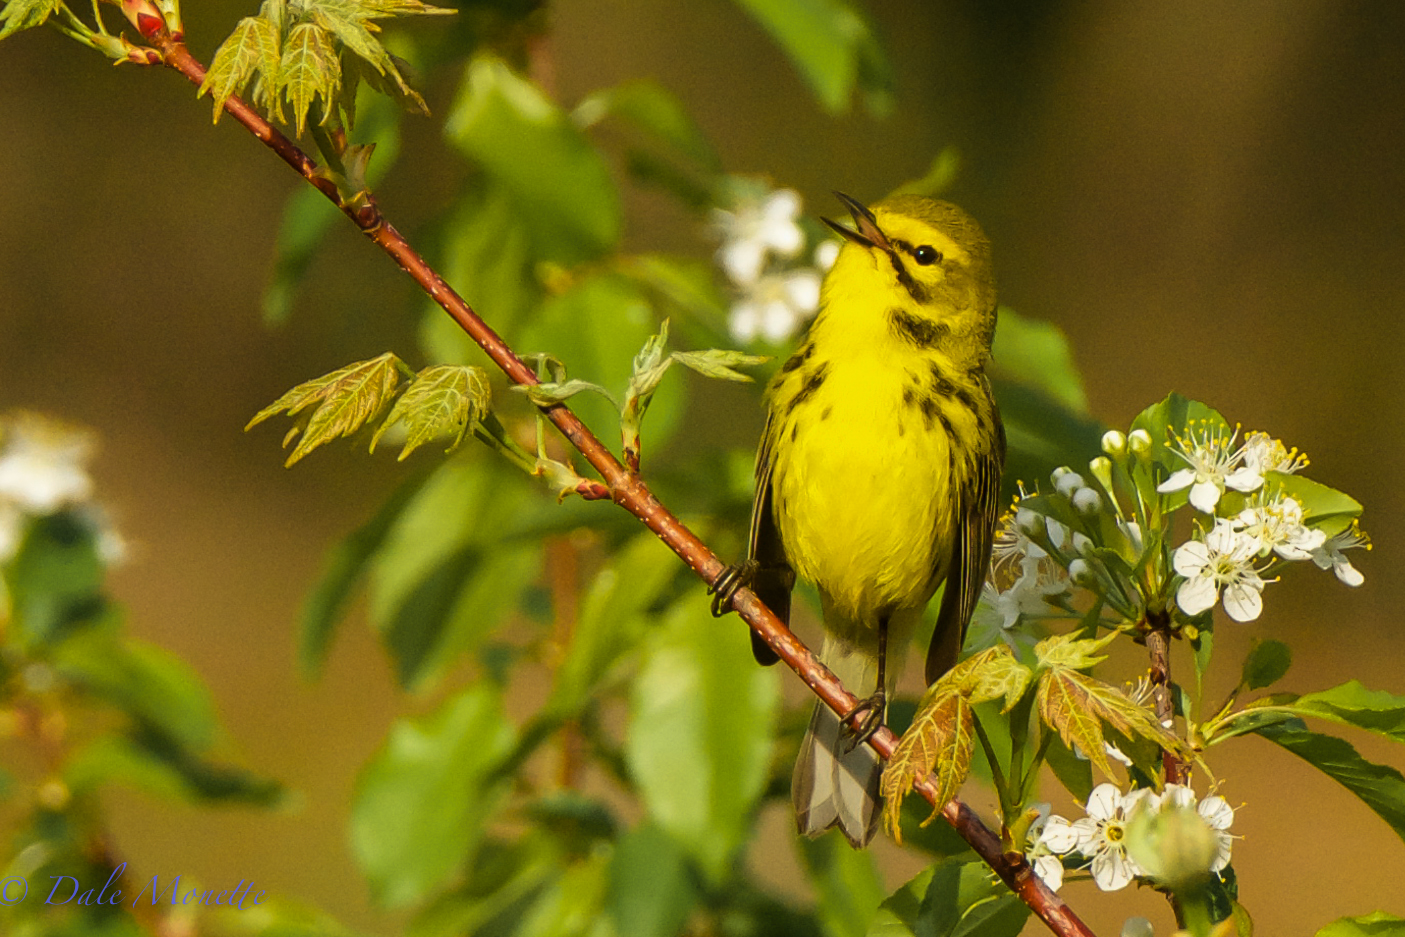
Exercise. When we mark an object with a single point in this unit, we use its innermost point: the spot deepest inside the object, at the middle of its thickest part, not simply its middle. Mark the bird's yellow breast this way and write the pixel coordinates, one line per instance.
(863, 482)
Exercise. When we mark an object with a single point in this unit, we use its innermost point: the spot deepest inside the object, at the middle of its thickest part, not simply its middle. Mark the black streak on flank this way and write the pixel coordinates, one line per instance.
(812, 384)
(825, 413)
(941, 384)
(932, 411)
(909, 396)
(920, 332)
(797, 359)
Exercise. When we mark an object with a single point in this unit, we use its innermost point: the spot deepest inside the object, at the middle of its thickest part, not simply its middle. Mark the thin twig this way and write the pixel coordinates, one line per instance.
(630, 492)
(1158, 646)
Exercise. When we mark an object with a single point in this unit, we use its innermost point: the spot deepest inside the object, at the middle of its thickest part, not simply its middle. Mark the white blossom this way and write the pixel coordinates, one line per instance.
(1214, 465)
(775, 305)
(1223, 561)
(1214, 810)
(754, 230)
(42, 464)
(1048, 867)
(1100, 836)
(1264, 454)
(1277, 526)
(1330, 554)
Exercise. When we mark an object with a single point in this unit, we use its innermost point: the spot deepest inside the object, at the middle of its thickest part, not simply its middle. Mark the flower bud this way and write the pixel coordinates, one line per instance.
(1082, 545)
(1081, 572)
(1173, 845)
(1058, 532)
(1101, 467)
(1114, 443)
(1067, 483)
(1029, 523)
(1087, 501)
(1139, 441)
(1137, 927)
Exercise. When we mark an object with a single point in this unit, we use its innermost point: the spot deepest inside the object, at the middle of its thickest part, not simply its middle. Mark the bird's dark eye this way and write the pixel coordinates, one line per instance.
(926, 255)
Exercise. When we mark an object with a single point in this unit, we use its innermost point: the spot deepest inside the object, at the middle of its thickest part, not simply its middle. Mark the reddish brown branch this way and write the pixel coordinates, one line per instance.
(629, 491)
(1158, 646)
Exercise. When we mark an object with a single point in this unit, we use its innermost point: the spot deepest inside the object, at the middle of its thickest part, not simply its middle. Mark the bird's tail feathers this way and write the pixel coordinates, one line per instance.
(832, 787)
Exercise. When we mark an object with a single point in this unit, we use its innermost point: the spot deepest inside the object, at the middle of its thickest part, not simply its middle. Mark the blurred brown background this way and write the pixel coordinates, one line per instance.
(1207, 197)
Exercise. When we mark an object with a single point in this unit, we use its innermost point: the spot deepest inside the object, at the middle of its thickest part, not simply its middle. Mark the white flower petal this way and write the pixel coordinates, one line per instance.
(802, 288)
(1181, 478)
(1112, 870)
(1104, 801)
(778, 321)
(742, 260)
(1244, 479)
(1217, 812)
(1242, 601)
(1050, 871)
(1346, 572)
(1191, 558)
(744, 322)
(1197, 594)
(1059, 835)
(826, 253)
(1204, 496)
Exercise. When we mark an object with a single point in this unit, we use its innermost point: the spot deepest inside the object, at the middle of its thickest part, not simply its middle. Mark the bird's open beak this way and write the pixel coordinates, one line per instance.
(868, 233)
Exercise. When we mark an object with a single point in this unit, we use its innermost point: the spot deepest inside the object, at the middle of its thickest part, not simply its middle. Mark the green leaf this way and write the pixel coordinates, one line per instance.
(1171, 418)
(651, 892)
(657, 116)
(153, 764)
(1037, 354)
(1381, 787)
(1352, 704)
(423, 799)
(442, 400)
(309, 69)
(701, 729)
(1074, 773)
(147, 682)
(445, 578)
(546, 394)
(25, 14)
(611, 621)
(833, 48)
(571, 906)
(1041, 432)
(503, 881)
(342, 402)
(530, 148)
(848, 888)
(308, 214)
(951, 898)
(344, 569)
(1071, 652)
(1203, 644)
(1376, 924)
(489, 258)
(55, 579)
(686, 286)
(252, 47)
(1265, 664)
(599, 325)
(1319, 502)
(719, 363)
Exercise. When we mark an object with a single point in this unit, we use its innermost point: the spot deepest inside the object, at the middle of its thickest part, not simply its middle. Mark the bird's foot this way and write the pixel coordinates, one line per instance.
(726, 585)
(872, 710)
